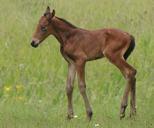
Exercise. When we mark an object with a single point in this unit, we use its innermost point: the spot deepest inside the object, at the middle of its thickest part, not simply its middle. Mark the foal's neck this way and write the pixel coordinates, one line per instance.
(63, 29)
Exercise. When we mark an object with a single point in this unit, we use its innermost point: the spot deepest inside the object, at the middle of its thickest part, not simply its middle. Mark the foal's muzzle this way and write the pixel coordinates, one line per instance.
(34, 44)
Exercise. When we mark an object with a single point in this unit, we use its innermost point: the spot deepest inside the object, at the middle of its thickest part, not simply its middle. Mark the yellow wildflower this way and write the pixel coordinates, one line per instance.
(7, 88)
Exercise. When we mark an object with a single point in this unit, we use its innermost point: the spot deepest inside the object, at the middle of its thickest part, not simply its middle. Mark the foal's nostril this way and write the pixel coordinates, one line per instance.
(33, 44)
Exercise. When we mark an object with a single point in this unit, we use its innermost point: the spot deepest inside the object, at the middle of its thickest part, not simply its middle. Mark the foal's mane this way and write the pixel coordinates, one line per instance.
(68, 23)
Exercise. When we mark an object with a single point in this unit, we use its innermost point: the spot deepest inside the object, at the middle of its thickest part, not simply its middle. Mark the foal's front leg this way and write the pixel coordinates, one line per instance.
(69, 88)
(80, 67)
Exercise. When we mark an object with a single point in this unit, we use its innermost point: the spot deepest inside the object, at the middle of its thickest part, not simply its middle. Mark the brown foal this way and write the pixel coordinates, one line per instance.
(78, 46)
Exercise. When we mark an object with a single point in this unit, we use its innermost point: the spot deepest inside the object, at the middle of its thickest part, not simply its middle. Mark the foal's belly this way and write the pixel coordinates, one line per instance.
(95, 58)
(93, 51)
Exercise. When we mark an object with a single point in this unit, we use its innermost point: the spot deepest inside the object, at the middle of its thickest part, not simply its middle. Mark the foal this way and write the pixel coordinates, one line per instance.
(78, 46)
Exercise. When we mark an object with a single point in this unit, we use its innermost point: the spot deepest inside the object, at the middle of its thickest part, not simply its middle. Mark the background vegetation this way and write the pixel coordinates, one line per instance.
(32, 81)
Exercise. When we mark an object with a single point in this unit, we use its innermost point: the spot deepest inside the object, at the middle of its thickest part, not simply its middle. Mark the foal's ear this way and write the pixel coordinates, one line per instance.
(53, 13)
(47, 9)
(49, 14)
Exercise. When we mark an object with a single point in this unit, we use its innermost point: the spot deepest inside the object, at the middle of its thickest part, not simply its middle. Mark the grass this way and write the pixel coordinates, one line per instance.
(32, 81)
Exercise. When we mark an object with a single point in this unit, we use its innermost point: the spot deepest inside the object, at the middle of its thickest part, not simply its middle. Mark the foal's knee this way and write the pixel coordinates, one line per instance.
(69, 90)
(82, 88)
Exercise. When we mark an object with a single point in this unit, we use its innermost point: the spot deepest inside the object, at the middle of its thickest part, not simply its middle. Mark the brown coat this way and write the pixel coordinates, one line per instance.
(79, 46)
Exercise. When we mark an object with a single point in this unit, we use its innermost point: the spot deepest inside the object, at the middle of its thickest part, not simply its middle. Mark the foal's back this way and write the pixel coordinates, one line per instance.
(91, 44)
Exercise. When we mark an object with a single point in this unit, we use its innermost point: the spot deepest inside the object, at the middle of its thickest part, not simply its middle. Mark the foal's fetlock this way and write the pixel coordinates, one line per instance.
(89, 115)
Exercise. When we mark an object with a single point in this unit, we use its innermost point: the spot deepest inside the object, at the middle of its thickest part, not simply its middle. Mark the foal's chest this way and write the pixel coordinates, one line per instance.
(66, 56)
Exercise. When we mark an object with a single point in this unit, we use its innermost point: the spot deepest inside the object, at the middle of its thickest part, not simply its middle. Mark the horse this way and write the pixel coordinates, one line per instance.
(79, 46)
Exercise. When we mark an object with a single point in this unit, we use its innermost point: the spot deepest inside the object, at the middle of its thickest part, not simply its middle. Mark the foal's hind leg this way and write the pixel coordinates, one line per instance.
(69, 88)
(133, 98)
(129, 74)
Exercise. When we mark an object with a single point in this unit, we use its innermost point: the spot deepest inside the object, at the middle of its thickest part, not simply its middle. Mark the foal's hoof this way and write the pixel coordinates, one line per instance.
(69, 117)
(89, 115)
(132, 114)
(122, 115)
(122, 111)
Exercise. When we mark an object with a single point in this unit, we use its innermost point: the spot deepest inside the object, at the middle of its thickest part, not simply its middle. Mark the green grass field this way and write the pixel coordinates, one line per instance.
(32, 81)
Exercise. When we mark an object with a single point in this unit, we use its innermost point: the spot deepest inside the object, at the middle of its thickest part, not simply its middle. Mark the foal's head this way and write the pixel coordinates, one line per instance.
(44, 28)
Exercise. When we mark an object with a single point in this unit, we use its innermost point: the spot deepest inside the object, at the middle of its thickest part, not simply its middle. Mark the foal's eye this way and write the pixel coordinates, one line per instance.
(43, 28)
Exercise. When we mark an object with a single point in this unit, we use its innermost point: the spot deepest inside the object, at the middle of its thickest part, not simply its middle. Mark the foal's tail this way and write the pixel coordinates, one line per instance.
(130, 48)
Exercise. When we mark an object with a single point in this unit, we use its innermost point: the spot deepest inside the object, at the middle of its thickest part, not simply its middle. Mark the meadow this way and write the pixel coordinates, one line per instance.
(32, 81)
